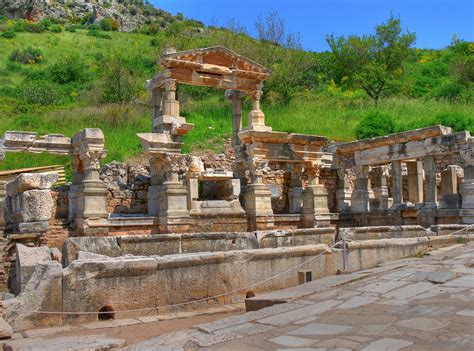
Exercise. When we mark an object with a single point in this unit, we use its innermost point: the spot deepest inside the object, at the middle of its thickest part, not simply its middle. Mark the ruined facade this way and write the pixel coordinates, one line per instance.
(286, 198)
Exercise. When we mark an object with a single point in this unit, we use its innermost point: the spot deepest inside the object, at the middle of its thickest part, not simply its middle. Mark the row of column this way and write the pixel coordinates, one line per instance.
(422, 188)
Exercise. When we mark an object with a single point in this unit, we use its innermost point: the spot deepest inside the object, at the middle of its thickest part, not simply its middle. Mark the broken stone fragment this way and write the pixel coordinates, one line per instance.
(31, 181)
(6, 331)
(43, 292)
(26, 260)
(32, 206)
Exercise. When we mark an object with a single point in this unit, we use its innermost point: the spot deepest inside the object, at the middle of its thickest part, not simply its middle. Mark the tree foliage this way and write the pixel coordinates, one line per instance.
(372, 62)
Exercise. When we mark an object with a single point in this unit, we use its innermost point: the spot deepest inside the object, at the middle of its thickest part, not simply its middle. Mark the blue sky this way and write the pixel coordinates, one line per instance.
(434, 21)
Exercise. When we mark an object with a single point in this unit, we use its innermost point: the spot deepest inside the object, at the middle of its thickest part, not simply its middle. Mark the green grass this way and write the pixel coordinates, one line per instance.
(311, 112)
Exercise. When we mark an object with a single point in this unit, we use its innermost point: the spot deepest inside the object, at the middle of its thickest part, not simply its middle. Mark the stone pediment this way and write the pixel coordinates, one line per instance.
(216, 59)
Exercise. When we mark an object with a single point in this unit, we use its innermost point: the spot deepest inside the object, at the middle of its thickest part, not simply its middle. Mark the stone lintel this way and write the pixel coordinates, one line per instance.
(392, 139)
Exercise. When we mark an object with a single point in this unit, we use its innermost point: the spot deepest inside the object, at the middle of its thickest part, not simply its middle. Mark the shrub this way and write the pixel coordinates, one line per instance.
(45, 24)
(68, 70)
(456, 120)
(56, 28)
(109, 24)
(28, 55)
(72, 28)
(97, 34)
(447, 91)
(105, 24)
(375, 124)
(40, 92)
(19, 26)
(93, 27)
(155, 42)
(9, 34)
(32, 27)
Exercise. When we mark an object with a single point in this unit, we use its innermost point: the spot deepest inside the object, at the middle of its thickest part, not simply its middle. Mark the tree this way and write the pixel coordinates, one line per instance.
(372, 62)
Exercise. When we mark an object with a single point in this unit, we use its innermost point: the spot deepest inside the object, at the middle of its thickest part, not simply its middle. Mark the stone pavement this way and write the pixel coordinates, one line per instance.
(413, 304)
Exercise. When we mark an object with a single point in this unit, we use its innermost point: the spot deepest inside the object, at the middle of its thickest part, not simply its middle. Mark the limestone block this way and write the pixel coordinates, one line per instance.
(43, 292)
(107, 246)
(32, 227)
(26, 260)
(467, 188)
(6, 331)
(32, 206)
(31, 181)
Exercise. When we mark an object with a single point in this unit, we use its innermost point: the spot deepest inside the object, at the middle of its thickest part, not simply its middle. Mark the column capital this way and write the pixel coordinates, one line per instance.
(170, 84)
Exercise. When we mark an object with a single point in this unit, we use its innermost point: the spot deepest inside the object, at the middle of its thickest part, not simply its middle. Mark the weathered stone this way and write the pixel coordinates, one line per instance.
(31, 181)
(6, 331)
(32, 227)
(43, 292)
(107, 246)
(76, 343)
(26, 260)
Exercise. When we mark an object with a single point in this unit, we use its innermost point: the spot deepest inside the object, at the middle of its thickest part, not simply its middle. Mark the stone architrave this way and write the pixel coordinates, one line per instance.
(415, 181)
(449, 197)
(360, 201)
(430, 182)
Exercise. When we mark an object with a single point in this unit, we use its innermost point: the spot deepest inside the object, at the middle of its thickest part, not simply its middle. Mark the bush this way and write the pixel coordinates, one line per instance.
(68, 70)
(56, 28)
(375, 124)
(41, 92)
(456, 120)
(19, 26)
(45, 24)
(155, 42)
(32, 27)
(27, 56)
(109, 24)
(447, 91)
(97, 34)
(93, 27)
(9, 34)
(72, 28)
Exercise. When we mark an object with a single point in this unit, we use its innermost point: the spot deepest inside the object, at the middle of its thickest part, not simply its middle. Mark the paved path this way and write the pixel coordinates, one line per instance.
(428, 304)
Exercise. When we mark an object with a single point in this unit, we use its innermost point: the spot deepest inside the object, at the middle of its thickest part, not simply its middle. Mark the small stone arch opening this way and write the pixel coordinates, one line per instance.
(250, 294)
(105, 313)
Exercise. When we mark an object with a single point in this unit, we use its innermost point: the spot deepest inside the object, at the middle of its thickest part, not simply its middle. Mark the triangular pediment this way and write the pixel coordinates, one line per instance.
(216, 56)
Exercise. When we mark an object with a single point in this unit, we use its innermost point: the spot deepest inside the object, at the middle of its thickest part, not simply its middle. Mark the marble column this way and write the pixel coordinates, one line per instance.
(360, 200)
(381, 199)
(467, 193)
(256, 117)
(415, 181)
(343, 192)
(430, 182)
(449, 197)
(258, 199)
(397, 185)
(295, 189)
(315, 212)
(236, 98)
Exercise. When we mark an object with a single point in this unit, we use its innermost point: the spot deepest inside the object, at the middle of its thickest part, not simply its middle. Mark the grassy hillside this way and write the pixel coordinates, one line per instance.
(325, 108)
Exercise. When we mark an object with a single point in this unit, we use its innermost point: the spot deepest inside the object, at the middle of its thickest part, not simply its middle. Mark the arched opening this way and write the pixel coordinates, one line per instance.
(106, 313)
(250, 294)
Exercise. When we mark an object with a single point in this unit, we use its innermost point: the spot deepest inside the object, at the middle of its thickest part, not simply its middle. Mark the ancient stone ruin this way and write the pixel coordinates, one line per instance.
(121, 242)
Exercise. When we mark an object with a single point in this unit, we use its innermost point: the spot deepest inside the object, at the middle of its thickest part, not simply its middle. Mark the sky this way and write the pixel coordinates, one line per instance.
(433, 21)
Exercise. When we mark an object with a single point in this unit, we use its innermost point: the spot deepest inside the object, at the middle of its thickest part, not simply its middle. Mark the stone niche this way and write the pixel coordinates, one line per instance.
(29, 202)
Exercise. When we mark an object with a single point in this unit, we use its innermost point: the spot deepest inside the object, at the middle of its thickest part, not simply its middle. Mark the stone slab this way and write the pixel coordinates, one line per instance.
(75, 343)
(321, 329)
(387, 344)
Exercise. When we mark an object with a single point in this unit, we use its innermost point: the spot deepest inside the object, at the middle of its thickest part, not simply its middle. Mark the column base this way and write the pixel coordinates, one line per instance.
(258, 206)
(315, 211)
